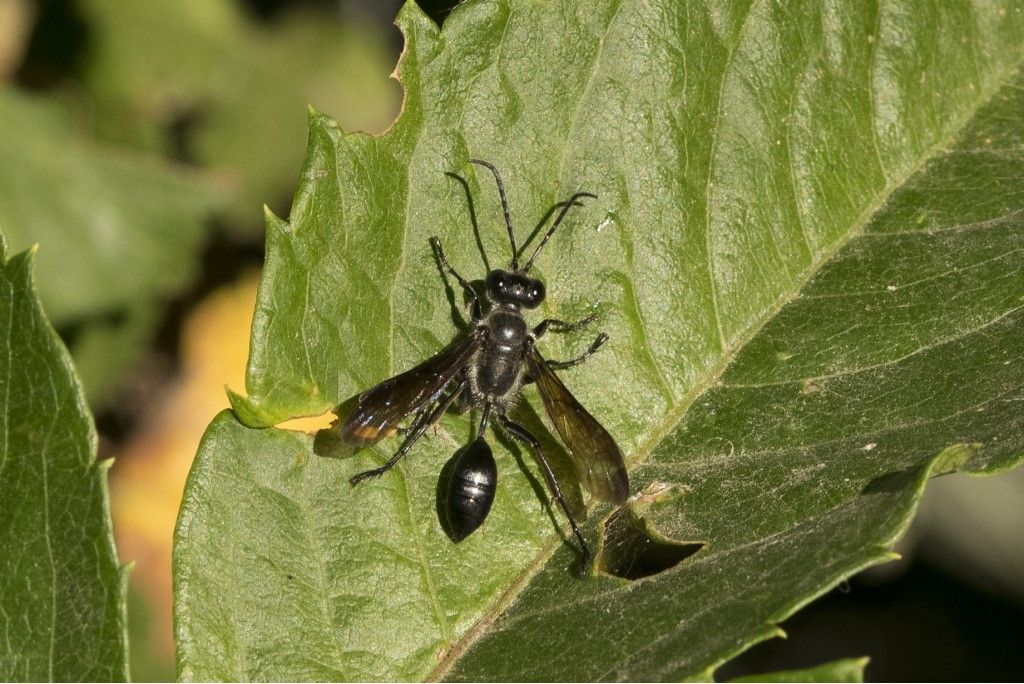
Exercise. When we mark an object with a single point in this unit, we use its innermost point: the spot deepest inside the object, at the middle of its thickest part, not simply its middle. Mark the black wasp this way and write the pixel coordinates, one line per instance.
(486, 370)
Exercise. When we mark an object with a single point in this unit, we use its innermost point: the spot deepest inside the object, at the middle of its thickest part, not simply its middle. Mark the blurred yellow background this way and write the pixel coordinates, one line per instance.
(149, 473)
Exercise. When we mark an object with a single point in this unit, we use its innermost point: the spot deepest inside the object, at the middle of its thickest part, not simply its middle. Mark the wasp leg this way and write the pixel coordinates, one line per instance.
(521, 434)
(416, 418)
(557, 325)
(417, 431)
(483, 420)
(561, 365)
(597, 344)
(477, 310)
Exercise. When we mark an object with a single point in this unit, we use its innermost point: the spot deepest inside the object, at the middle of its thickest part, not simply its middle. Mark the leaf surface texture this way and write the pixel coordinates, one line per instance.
(806, 248)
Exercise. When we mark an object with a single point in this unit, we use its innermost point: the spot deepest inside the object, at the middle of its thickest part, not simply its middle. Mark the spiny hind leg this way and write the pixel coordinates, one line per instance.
(521, 434)
(597, 344)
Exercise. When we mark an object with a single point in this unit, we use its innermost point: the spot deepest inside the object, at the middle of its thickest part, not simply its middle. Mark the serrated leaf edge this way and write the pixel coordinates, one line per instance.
(25, 262)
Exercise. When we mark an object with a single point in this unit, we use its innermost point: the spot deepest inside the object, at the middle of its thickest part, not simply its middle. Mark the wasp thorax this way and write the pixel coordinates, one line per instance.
(513, 287)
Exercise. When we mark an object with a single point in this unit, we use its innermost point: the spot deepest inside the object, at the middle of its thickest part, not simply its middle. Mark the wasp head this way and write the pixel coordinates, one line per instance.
(514, 287)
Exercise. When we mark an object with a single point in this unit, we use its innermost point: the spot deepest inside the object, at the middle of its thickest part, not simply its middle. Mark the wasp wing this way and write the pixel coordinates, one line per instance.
(381, 408)
(598, 460)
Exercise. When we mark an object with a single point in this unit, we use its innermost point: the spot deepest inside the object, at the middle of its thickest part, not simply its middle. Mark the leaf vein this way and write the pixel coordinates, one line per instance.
(891, 362)
(872, 99)
(426, 573)
(709, 181)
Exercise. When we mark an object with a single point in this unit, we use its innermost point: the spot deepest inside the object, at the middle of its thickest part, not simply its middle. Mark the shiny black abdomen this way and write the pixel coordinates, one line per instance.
(471, 486)
(500, 362)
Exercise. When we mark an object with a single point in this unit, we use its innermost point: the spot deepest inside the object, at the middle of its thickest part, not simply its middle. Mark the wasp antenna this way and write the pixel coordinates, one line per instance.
(504, 207)
(551, 231)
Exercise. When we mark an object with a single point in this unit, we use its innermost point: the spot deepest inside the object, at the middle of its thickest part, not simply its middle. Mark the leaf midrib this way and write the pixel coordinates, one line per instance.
(674, 415)
(882, 549)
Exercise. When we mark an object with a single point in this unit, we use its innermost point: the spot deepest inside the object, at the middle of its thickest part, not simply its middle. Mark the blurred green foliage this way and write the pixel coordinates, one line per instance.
(119, 232)
(174, 123)
(239, 87)
(134, 135)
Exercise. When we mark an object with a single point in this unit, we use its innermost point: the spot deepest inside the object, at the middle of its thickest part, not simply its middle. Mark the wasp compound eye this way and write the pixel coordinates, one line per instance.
(500, 285)
(474, 478)
(534, 294)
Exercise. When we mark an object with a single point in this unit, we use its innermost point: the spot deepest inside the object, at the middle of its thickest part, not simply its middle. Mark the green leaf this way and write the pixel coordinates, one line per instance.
(846, 670)
(120, 232)
(244, 85)
(62, 592)
(806, 250)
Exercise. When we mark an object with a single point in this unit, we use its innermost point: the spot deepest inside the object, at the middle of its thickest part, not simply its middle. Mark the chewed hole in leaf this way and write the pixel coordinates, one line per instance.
(632, 550)
(328, 442)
